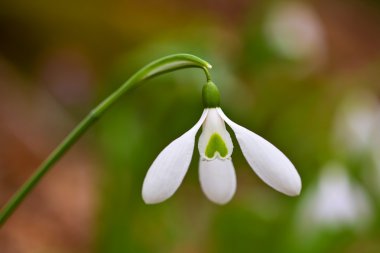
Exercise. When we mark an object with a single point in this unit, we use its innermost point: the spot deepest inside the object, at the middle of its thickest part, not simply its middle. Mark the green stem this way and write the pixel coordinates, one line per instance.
(158, 67)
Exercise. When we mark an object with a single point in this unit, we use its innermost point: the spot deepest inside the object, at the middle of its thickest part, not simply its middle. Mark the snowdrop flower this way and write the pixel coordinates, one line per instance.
(294, 30)
(335, 202)
(216, 171)
(356, 123)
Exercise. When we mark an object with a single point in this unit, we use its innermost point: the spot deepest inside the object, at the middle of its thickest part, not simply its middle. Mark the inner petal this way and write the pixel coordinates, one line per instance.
(215, 141)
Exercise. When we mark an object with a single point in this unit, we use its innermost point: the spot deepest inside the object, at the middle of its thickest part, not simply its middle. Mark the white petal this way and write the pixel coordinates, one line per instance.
(218, 179)
(269, 163)
(166, 173)
(214, 124)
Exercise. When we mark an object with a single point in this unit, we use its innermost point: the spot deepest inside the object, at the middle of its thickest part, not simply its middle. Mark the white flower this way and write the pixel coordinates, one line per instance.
(216, 171)
(357, 122)
(335, 202)
(295, 31)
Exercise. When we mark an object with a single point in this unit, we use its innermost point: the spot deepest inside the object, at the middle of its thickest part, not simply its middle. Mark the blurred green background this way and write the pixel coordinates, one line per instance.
(305, 75)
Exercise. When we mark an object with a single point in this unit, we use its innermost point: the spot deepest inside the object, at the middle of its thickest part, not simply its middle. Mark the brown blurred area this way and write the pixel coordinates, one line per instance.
(44, 46)
(58, 213)
(352, 30)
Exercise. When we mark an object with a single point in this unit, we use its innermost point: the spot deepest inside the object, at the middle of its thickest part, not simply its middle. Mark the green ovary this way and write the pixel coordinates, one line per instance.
(216, 144)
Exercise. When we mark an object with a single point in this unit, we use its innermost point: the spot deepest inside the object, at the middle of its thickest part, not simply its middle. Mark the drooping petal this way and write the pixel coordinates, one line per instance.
(168, 170)
(218, 179)
(215, 141)
(269, 163)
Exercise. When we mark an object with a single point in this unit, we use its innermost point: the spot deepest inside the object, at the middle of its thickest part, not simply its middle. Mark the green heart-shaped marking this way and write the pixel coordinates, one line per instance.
(216, 144)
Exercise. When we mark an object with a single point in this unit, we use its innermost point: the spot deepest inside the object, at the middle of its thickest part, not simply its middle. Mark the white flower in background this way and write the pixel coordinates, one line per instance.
(357, 133)
(294, 30)
(357, 122)
(335, 202)
(216, 171)
(373, 176)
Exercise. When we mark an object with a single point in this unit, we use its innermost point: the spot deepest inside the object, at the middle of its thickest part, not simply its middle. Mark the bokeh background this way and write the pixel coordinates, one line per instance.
(303, 74)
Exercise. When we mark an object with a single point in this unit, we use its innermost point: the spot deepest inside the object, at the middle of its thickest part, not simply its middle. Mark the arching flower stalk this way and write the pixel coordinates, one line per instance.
(168, 170)
(216, 170)
(158, 67)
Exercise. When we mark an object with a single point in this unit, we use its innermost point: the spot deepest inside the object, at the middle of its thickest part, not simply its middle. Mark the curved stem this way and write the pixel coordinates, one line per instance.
(155, 68)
